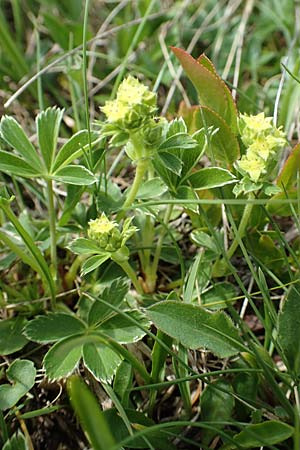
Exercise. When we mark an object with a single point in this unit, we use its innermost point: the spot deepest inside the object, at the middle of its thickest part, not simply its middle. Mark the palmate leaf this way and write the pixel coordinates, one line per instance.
(53, 327)
(101, 361)
(72, 174)
(84, 246)
(122, 329)
(93, 263)
(15, 165)
(194, 327)
(14, 135)
(11, 337)
(73, 149)
(47, 124)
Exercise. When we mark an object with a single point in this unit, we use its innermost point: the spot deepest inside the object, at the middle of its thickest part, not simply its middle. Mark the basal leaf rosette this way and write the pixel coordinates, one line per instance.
(264, 143)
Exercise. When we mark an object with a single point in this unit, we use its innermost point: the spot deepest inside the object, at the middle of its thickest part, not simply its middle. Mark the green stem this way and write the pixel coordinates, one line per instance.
(141, 167)
(52, 229)
(241, 229)
(151, 273)
(131, 274)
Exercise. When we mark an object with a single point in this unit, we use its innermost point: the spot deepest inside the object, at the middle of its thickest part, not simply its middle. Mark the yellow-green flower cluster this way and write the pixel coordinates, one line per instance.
(133, 105)
(108, 235)
(263, 141)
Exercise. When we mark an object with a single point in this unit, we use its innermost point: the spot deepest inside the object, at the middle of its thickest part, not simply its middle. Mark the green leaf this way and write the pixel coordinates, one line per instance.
(52, 327)
(114, 294)
(122, 329)
(178, 141)
(91, 418)
(151, 189)
(93, 262)
(217, 404)
(16, 442)
(48, 123)
(170, 161)
(264, 434)
(211, 177)
(63, 357)
(11, 337)
(223, 145)
(282, 209)
(216, 296)
(73, 149)
(290, 171)
(83, 246)
(101, 361)
(14, 165)
(14, 135)
(78, 175)
(211, 89)
(289, 330)
(21, 373)
(194, 327)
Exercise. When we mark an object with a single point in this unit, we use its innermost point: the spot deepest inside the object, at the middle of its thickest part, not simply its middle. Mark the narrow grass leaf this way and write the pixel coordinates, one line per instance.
(194, 327)
(91, 418)
(264, 434)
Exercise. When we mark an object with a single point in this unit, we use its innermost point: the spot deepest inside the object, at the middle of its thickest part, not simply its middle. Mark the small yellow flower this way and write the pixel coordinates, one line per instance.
(134, 104)
(254, 167)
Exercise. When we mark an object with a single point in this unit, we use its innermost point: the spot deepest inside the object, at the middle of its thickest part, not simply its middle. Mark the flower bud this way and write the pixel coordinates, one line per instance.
(134, 104)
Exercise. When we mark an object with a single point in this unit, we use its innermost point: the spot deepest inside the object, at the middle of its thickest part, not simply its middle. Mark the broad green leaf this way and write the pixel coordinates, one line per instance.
(14, 135)
(21, 374)
(289, 329)
(211, 177)
(122, 329)
(78, 175)
(282, 209)
(217, 404)
(92, 419)
(11, 337)
(16, 442)
(179, 141)
(211, 89)
(14, 165)
(264, 434)
(63, 357)
(223, 145)
(206, 62)
(47, 124)
(170, 161)
(114, 295)
(83, 246)
(194, 327)
(204, 240)
(290, 171)
(151, 189)
(101, 361)
(72, 149)
(53, 326)
(93, 263)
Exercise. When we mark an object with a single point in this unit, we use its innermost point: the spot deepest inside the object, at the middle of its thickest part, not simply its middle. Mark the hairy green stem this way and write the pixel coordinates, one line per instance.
(132, 275)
